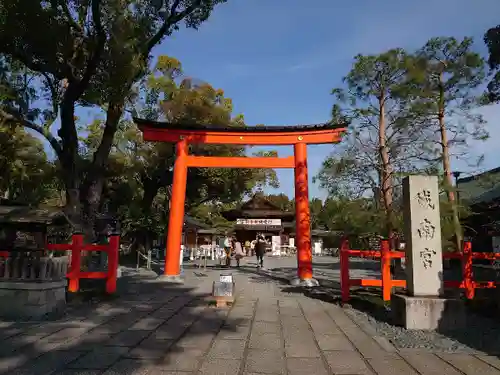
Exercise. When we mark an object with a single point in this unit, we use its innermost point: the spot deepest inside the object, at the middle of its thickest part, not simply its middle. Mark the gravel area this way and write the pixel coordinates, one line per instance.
(482, 335)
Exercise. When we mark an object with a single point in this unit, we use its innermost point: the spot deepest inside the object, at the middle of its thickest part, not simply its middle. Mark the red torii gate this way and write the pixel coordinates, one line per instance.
(298, 136)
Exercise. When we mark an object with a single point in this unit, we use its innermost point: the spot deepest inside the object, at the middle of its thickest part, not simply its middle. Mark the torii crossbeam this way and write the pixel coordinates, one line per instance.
(298, 136)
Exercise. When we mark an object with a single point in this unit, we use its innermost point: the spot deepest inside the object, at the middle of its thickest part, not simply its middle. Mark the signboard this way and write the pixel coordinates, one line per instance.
(226, 278)
(224, 287)
(258, 222)
(221, 289)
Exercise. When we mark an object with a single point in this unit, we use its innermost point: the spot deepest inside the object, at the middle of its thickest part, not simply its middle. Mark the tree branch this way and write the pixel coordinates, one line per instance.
(13, 119)
(32, 64)
(113, 116)
(171, 20)
(94, 60)
(65, 8)
(53, 92)
(199, 202)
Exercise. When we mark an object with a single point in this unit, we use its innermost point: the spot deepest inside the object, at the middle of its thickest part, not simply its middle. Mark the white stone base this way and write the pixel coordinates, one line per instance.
(32, 300)
(427, 313)
(304, 282)
(173, 279)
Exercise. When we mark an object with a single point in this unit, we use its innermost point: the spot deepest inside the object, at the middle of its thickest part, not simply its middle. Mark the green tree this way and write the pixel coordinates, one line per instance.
(356, 217)
(27, 176)
(315, 209)
(282, 201)
(187, 102)
(211, 214)
(139, 179)
(380, 146)
(449, 74)
(492, 40)
(90, 53)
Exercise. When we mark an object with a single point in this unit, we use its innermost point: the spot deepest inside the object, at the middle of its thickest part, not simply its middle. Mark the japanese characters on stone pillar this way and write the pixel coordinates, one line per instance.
(422, 230)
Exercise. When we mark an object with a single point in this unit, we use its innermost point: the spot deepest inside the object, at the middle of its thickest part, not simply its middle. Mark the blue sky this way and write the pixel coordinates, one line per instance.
(279, 59)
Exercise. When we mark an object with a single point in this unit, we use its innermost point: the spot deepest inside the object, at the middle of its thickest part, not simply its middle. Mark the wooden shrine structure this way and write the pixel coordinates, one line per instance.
(481, 194)
(260, 215)
(185, 134)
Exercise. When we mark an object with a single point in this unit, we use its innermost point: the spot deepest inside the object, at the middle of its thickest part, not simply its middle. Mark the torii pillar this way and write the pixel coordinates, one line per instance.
(302, 219)
(176, 218)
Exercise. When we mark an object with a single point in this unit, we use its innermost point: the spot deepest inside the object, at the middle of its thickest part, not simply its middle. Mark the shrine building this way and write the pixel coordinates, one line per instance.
(258, 215)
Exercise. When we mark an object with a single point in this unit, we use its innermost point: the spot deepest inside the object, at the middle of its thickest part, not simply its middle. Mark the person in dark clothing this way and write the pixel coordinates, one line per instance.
(260, 250)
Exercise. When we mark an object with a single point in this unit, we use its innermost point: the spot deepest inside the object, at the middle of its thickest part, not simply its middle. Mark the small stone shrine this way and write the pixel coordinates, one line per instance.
(32, 281)
(423, 307)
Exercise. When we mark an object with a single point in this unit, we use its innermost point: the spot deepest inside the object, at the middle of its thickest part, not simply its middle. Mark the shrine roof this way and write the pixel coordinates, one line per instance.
(258, 207)
(480, 188)
(191, 222)
(239, 129)
(17, 214)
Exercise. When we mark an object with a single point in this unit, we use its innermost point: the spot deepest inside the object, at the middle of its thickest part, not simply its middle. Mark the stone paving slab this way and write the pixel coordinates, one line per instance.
(165, 330)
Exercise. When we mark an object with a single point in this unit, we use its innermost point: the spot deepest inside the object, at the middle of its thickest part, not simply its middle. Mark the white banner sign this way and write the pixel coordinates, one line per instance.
(273, 222)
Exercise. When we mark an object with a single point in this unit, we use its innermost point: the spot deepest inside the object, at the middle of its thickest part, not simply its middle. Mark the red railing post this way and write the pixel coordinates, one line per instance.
(467, 270)
(76, 256)
(385, 269)
(113, 256)
(344, 269)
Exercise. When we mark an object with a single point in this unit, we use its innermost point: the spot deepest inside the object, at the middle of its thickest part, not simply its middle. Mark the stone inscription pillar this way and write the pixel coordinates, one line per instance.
(422, 231)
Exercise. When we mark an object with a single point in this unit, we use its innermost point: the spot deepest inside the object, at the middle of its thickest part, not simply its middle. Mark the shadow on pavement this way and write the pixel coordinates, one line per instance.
(260, 276)
(148, 324)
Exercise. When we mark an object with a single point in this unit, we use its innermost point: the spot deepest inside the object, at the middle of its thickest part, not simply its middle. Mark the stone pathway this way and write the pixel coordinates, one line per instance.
(157, 329)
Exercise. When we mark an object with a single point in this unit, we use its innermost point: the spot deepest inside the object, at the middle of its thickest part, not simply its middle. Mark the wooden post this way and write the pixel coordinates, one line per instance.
(113, 262)
(176, 217)
(302, 214)
(467, 270)
(385, 265)
(76, 260)
(344, 269)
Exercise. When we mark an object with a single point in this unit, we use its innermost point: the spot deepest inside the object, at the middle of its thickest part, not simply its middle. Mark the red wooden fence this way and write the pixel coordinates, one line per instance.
(75, 273)
(387, 283)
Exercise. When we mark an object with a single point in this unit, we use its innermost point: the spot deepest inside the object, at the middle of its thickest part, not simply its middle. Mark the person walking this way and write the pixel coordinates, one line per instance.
(252, 247)
(260, 250)
(247, 248)
(238, 251)
(228, 250)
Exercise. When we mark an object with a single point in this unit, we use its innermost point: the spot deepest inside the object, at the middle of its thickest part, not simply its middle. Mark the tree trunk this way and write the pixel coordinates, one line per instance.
(386, 169)
(386, 178)
(448, 175)
(94, 183)
(72, 208)
(69, 159)
(91, 199)
(151, 188)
